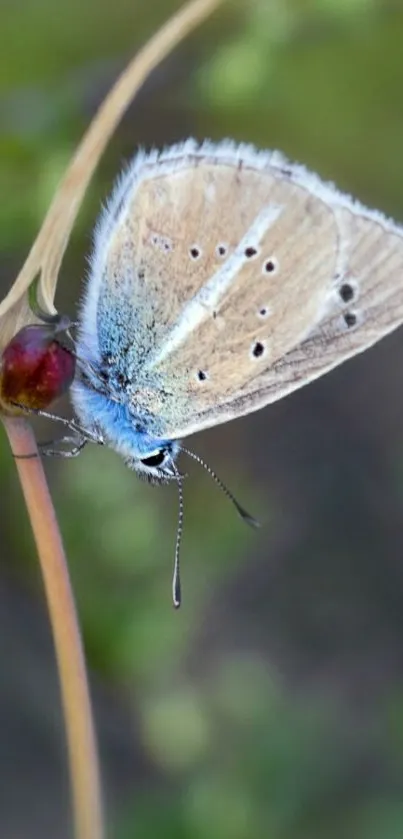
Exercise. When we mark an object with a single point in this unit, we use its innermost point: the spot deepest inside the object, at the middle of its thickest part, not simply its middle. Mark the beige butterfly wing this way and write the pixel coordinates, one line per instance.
(367, 305)
(249, 278)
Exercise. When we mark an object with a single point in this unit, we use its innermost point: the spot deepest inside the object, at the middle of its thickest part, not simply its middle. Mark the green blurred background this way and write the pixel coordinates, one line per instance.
(272, 704)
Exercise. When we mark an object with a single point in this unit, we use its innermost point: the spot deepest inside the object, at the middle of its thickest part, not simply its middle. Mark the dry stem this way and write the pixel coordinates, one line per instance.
(47, 252)
(84, 770)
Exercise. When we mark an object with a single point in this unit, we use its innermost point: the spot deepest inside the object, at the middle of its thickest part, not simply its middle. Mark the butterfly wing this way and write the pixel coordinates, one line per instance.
(224, 278)
(365, 304)
(368, 304)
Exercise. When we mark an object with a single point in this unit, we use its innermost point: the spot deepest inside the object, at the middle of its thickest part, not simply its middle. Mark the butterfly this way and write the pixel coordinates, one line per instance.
(222, 278)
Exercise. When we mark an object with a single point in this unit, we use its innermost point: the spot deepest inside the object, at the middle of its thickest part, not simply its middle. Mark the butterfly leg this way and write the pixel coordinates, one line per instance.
(90, 436)
(49, 450)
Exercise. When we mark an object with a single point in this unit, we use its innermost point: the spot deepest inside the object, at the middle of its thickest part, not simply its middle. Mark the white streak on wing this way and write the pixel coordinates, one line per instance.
(210, 295)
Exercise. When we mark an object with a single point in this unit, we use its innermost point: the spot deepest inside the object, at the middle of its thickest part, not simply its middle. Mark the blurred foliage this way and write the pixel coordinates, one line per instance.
(233, 748)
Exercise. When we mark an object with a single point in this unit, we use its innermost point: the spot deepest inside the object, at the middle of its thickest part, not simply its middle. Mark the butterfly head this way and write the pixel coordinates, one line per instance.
(158, 466)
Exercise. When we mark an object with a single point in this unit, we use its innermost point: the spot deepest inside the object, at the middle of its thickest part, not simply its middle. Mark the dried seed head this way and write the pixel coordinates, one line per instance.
(35, 368)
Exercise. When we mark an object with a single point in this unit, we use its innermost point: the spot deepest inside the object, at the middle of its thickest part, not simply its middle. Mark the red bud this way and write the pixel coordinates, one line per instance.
(35, 369)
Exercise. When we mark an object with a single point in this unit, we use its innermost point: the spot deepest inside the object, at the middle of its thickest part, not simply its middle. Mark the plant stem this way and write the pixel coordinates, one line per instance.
(46, 254)
(82, 750)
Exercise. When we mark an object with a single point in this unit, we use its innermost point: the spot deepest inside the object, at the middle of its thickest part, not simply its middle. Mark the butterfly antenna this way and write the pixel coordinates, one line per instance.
(240, 510)
(176, 579)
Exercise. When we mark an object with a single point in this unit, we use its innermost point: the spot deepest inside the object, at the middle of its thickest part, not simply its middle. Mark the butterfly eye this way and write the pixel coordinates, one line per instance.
(156, 459)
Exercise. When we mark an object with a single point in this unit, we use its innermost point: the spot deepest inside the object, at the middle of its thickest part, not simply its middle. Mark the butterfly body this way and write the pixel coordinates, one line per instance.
(116, 425)
(223, 278)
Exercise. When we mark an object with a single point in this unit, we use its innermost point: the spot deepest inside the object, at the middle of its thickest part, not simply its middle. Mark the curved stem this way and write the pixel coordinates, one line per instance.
(48, 249)
(82, 751)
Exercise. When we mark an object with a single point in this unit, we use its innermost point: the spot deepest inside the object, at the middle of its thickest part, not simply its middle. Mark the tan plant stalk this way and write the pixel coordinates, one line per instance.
(47, 252)
(66, 635)
(44, 261)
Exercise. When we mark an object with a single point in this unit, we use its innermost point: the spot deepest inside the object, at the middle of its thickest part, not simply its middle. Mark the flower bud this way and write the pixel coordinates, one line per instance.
(35, 368)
